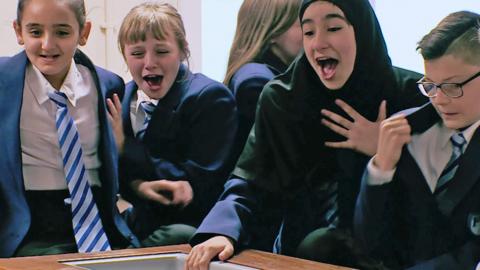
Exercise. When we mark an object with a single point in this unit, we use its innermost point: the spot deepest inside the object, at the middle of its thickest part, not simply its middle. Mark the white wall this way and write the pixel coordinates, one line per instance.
(405, 22)
(217, 35)
(8, 12)
(192, 20)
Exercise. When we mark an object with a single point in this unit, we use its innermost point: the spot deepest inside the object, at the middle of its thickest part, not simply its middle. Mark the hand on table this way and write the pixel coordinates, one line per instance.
(200, 256)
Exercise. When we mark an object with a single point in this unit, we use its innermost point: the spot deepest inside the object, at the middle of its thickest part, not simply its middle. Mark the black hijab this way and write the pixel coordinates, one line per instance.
(372, 76)
(286, 153)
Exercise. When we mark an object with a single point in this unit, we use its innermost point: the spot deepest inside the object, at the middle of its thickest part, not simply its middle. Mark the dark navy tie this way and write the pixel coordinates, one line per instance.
(458, 143)
(148, 108)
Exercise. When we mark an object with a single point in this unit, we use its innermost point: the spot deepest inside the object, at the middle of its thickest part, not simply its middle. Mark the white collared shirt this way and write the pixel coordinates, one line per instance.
(41, 156)
(430, 149)
(137, 114)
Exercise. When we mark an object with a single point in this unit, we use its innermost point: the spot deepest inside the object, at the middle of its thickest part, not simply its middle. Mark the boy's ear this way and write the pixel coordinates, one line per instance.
(85, 33)
(18, 32)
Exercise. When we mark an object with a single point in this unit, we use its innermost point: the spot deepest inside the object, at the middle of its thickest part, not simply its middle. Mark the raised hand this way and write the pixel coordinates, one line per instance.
(200, 256)
(166, 192)
(361, 134)
(115, 118)
(394, 134)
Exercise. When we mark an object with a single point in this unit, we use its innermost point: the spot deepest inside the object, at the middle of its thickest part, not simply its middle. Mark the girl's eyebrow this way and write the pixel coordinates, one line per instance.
(62, 25)
(327, 17)
(30, 25)
(335, 16)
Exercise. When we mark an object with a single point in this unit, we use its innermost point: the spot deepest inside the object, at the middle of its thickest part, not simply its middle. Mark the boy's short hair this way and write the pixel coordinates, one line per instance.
(457, 34)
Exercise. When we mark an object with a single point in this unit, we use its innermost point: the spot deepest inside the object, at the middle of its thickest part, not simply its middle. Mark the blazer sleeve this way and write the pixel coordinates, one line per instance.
(371, 220)
(230, 216)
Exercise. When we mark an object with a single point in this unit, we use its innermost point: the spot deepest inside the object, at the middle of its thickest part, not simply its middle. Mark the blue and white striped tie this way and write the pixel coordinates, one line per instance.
(87, 225)
(148, 108)
(458, 143)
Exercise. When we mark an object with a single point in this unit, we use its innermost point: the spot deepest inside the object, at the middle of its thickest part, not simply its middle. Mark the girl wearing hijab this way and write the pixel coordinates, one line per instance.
(267, 39)
(286, 166)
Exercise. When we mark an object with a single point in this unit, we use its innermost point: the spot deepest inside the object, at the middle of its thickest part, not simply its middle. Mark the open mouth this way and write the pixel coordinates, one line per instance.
(54, 56)
(153, 80)
(328, 66)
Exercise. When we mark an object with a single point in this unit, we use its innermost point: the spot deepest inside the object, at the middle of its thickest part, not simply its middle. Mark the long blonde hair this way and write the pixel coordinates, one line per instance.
(258, 22)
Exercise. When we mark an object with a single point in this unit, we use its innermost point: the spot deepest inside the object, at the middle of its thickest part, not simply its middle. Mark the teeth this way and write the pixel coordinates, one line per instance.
(327, 61)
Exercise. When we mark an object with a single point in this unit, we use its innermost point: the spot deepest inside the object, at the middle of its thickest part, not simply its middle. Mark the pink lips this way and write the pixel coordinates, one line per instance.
(49, 58)
(448, 115)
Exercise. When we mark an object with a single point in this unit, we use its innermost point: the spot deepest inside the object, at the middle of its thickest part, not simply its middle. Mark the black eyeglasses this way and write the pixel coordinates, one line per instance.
(453, 90)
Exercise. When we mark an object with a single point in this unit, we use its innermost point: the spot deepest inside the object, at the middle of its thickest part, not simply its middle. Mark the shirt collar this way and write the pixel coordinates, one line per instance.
(444, 135)
(72, 81)
(141, 97)
(447, 133)
(468, 132)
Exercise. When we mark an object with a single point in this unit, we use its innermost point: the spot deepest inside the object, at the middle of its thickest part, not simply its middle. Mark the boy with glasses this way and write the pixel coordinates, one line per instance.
(419, 204)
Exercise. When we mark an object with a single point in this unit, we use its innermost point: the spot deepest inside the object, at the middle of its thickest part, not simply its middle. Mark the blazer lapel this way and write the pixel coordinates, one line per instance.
(107, 148)
(10, 108)
(468, 173)
(413, 177)
(130, 90)
(422, 118)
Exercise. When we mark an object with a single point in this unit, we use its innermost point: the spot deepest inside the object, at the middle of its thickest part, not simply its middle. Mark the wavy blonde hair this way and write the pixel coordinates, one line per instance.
(258, 22)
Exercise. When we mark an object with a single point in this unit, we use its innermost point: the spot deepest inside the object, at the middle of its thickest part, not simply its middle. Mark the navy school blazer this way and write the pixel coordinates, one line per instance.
(405, 225)
(190, 137)
(14, 210)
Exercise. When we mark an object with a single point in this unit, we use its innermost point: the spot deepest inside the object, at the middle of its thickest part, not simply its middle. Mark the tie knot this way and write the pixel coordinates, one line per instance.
(458, 141)
(58, 97)
(148, 107)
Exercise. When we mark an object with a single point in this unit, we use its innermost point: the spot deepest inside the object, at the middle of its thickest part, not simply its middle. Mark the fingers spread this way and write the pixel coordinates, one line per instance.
(338, 129)
(339, 120)
(348, 109)
(344, 144)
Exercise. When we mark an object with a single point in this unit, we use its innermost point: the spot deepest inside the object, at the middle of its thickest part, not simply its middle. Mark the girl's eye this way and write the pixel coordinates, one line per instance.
(308, 33)
(334, 29)
(162, 51)
(136, 53)
(35, 33)
(63, 33)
